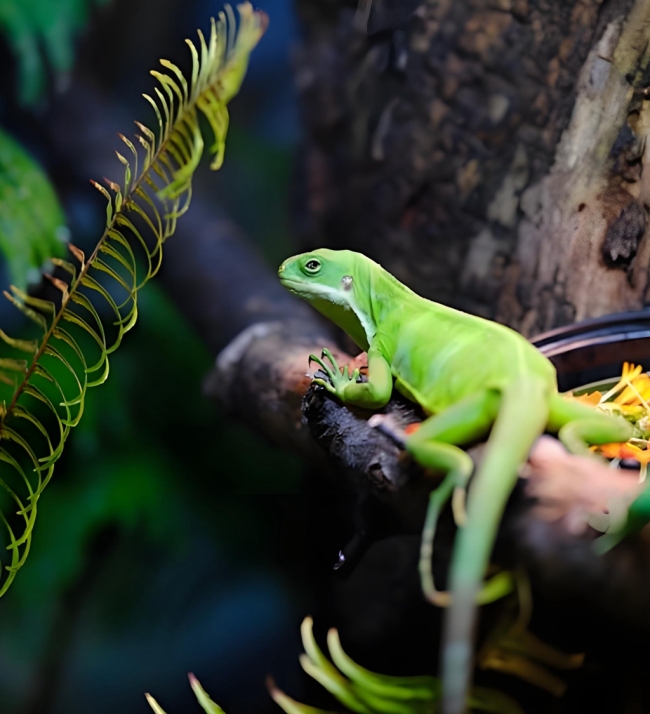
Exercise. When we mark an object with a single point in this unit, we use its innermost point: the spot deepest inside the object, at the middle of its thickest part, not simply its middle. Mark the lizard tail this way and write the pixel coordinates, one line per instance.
(522, 418)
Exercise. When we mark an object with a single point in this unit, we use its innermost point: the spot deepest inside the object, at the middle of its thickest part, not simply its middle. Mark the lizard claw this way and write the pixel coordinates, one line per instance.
(323, 383)
(321, 365)
(326, 354)
(336, 380)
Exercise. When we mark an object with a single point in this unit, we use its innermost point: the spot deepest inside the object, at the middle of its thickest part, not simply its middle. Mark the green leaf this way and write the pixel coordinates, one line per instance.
(100, 303)
(41, 35)
(289, 705)
(154, 704)
(317, 666)
(209, 707)
(32, 224)
(367, 692)
(416, 688)
(491, 700)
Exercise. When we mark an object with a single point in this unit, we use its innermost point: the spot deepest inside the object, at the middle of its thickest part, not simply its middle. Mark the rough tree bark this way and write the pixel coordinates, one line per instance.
(491, 153)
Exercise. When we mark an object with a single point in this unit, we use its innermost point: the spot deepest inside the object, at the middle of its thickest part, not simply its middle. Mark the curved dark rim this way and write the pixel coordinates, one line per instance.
(618, 327)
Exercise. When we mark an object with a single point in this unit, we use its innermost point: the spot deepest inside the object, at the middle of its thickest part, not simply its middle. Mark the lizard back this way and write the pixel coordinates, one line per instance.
(443, 355)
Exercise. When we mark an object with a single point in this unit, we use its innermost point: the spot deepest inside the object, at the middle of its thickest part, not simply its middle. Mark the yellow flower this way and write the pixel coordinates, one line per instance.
(634, 387)
(629, 397)
(637, 391)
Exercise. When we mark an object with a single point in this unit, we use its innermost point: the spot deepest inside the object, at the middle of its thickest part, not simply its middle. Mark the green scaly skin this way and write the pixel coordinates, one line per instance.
(474, 377)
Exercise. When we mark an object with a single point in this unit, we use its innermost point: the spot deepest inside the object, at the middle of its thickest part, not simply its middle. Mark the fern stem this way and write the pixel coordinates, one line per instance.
(158, 194)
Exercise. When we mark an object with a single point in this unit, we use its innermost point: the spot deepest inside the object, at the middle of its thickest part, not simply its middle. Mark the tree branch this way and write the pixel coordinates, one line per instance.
(264, 336)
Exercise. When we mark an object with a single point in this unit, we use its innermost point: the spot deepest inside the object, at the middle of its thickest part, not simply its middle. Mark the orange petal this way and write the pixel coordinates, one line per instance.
(629, 451)
(593, 398)
(624, 451)
(613, 450)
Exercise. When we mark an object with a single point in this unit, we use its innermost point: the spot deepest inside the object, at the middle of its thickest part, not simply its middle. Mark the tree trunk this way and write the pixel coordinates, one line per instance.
(483, 152)
(489, 153)
(480, 149)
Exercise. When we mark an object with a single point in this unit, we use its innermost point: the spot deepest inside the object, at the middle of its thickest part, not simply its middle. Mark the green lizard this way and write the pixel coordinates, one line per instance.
(474, 377)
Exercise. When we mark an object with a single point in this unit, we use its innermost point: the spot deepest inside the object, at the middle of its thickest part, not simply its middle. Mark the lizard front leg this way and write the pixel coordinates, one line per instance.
(372, 394)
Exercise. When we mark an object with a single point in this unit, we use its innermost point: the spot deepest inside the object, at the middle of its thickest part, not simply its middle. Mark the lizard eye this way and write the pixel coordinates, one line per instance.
(312, 266)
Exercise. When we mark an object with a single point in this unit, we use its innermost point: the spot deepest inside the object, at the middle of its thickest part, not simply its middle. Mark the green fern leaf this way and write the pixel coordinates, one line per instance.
(41, 35)
(32, 224)
(42, 396)
(366, 692)
(208, 706)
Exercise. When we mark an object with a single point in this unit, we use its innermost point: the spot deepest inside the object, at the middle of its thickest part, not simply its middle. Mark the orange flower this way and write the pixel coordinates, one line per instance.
(593, 398)
(630, 396)
(632, 393)
(624, 451)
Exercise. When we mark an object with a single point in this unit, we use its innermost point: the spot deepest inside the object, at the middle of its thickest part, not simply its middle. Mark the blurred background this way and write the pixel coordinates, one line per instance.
(170, 540)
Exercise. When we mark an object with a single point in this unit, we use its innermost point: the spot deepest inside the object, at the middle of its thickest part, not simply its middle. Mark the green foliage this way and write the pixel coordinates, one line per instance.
(44, 379)
(208, 706)
(42, 33)
(366, 692)
(361, 690)
(32, 224)
(151, 516)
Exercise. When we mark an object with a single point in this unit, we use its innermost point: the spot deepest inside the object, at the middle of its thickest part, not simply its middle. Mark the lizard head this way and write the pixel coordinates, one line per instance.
(335, 282)
(321, 274)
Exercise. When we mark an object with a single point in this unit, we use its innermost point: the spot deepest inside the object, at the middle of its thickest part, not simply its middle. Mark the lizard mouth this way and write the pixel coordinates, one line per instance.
(294, 286)
(312, 291)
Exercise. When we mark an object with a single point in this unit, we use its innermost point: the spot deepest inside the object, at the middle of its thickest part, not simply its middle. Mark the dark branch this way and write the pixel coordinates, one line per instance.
(263, 338)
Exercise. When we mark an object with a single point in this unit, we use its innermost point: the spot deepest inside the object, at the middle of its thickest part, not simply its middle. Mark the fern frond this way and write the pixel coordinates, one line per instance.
(366, 692)
(41, 34)
(208, 706)
(44, 380)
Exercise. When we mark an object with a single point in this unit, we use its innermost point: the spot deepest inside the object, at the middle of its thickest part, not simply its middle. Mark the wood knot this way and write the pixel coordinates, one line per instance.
(626, 226)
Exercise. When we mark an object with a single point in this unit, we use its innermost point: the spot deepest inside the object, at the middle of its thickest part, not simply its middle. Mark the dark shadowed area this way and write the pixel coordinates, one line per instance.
(172, 540)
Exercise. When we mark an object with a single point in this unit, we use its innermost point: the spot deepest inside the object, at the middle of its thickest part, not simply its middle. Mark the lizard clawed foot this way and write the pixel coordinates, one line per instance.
(336, 380)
